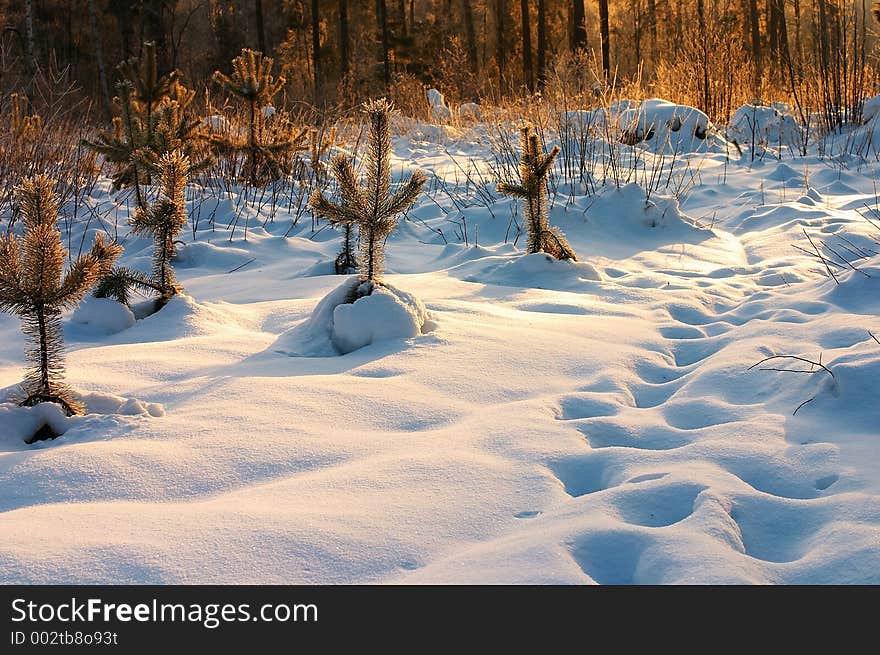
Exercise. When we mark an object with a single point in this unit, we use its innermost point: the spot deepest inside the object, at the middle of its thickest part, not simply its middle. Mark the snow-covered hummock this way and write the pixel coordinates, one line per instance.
(339, 326)
(555, 422)
(765, 126)
(103, 315)
(666, 127)
(440, 113)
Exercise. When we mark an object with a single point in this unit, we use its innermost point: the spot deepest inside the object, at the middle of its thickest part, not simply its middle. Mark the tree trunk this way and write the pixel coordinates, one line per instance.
(755, 32)
(30, 54)
(154, 30)
(578, 26)
(500, 51)
(528, 74)
(636, 9)
(261, 26)
(652, 27)
(542, 41)
(606, 45)
(316, 52)
(382, 19)
(401, 12)
(344, 58)
(470, 33)
(99, 58)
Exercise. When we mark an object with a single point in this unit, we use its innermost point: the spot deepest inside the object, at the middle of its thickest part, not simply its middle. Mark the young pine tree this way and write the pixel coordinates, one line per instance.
(34, 286)
(154, 120)
(534, 168)
(373, 208)
(163, 221)
(269, 144)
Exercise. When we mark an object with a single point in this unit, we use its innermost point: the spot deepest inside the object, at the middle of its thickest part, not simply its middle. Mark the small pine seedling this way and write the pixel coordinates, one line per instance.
(374, 209)
(154, 119)
(269, 145)
(34, 286)
(534, 168)
(164, 220)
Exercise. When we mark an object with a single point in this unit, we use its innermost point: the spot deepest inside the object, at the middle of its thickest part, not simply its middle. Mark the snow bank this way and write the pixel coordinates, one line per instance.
(339, 326)
(764, 126)
(103, 315)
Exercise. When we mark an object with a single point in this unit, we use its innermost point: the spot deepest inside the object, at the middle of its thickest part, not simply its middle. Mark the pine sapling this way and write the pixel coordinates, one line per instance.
(534, 168)
(33, 285)
(373, 208)
(268, 145)
(164, 221)
(154, 119)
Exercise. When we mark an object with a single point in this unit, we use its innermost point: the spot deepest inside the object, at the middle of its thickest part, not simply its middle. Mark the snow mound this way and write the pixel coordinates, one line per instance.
(764, 126)
(105, 403)
(663, 126)
(622, 222)
(439, 111)
(387, 313)
(338, 326)
(542, 271)
(104, 315)
(105, 416)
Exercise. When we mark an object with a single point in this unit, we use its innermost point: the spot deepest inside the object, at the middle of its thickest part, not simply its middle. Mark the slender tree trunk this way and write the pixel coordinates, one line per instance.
(99, 58)
(261, 26)
(30, 53)
(500, 51)
(470, 33)
(606, 43)
(755, 32)
(382, 19)
(401, 12)
(528, 72)
(44, 350)
(154, 30)
(652, 27)
(578, 26)
(316, 52)
(542, 41)
(636, 9)
(344, 58)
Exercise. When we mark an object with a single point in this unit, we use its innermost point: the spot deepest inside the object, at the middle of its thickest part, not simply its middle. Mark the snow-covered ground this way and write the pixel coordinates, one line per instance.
(554, 422)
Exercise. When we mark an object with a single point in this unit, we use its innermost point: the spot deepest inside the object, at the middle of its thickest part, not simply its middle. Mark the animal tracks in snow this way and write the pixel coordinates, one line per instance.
(654, 416)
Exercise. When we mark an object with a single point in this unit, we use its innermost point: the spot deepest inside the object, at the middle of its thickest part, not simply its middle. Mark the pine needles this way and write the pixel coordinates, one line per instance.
(164, 221)
(534, 168)
(373, 208)
(271, 138)
(153, 121)
(33, 286)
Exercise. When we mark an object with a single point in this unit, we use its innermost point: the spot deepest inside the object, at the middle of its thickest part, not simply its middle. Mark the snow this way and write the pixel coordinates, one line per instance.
(387, 313)
(766, 126)
(440, 112)
(508, 418)
(103, 315)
